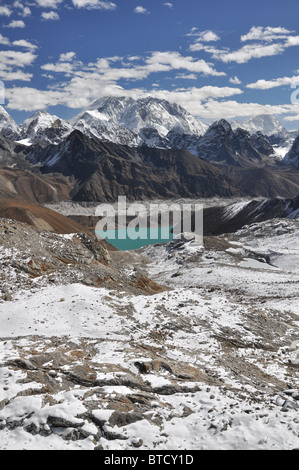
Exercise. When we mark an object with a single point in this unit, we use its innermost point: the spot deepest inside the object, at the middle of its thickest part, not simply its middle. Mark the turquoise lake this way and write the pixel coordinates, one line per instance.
(125, 238)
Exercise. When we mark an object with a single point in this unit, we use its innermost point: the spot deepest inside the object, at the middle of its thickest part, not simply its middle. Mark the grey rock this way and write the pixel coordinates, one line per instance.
(120, 419)
(57, 421)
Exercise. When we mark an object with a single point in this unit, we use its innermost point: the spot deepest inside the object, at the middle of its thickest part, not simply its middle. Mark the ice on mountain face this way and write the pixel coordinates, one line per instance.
(8, 127)
(292, 157)
(26, 142)
(264, 123)
(96, 124)
(269, 126)
(44, 128)
(281, 151)
(132, 122)
(233, 209)
(154, 122)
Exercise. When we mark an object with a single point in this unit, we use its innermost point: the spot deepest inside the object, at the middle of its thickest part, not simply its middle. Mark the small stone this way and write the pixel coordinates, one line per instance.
(280, 401)
(73, 435)
(52, 373)
(137, 442)
(7, 297)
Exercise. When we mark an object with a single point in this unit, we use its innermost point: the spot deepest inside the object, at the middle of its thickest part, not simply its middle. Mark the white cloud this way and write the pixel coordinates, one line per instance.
(48, 3)
(141, 10)
(228, 109)
(79, 92)
(67, 57)
(12, 63)
(186, 76)
(292, 41)
(134, 57)
(246, 53)
(291, 118)
(199, 46)
(175, 61)
(168, 4)
(207, 102)
(23, 9)
(26, 12)
(30, 99)
(269, 41)
(85, 83)
(60, 67)
(24, 43)
(268, 33)
(5, 11)
(277, 82)
(17, 75)
(94, 4)
(16, 24)
(50, 16)
(16, 58)
(204, 36)
(4, 41)
(235, 81)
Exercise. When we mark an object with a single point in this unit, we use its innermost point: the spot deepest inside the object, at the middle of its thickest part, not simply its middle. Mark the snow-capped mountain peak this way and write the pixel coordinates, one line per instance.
(44, 127)
(8, 126)
(123, 120)
(267, 124)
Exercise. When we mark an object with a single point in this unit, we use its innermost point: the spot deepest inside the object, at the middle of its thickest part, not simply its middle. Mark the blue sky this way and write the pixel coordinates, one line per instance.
(218, 59)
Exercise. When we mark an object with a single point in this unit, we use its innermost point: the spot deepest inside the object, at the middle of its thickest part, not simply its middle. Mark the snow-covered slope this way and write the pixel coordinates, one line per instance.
(8, 127)
(155, 123)
(209, 362)
(129, 121)
(264, 123)
(269, 126)
(45, 128)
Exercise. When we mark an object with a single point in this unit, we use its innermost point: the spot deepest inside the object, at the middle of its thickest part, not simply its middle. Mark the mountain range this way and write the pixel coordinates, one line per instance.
(144, 149)
(135, 122)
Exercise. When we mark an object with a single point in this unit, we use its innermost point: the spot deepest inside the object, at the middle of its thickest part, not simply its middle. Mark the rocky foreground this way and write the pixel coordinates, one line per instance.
(174, 346)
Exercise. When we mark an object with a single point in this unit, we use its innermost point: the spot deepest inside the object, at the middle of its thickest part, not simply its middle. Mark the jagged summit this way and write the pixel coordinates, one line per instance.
(222, 123)
(158, 123)
(136, 114)
(267, 124)
(221, 144)
(136, 121)
(44, 128)
(8, 126)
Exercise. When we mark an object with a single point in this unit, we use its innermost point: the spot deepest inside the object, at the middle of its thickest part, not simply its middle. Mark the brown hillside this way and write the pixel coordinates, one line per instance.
(13, 207)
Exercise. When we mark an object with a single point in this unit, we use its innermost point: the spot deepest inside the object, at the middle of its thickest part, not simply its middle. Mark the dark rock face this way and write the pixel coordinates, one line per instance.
(292, 157)
(8, 126)
(219, 220)
(262, 144)
(104, 170)
(101, 171)
(238, 148)
(11, 153)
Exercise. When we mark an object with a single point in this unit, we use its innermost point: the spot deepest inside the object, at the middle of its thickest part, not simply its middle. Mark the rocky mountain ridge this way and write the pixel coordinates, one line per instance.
(292, 157)
(135, 122)
(104, 170)
(83, 169)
